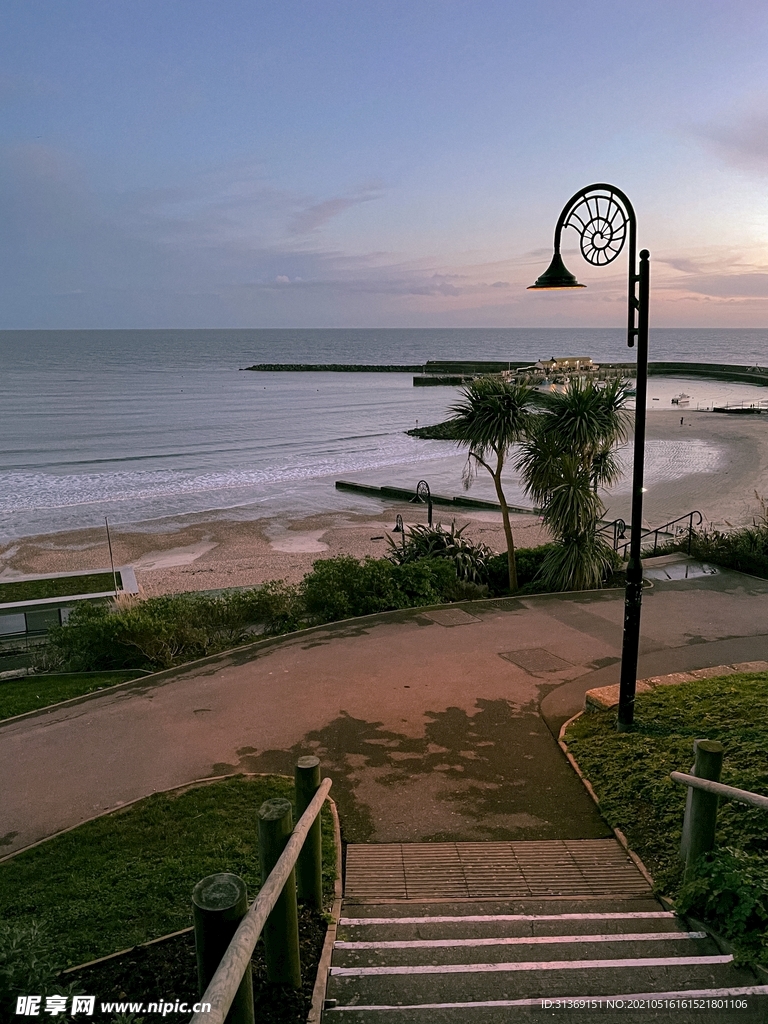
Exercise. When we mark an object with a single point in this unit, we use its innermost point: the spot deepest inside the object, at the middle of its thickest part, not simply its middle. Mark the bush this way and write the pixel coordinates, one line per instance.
(160, 632)
(340, 588)
(731, 887)
(468, 558)
(343, 587)
(579, 562)
(745, 550)
(163, 631)
(528, 561)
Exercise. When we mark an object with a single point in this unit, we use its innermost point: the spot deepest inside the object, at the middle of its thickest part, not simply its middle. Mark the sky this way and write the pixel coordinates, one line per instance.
(350, 163)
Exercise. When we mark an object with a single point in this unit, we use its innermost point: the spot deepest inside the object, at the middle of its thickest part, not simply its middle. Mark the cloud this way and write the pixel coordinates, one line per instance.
(742, 141)
(748, 286)
(318, 214)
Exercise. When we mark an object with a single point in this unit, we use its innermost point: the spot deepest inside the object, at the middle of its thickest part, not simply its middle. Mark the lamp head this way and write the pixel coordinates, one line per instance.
(556, 276)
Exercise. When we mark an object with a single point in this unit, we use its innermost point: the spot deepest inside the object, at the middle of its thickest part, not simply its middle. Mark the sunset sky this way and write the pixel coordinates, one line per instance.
(179, 163)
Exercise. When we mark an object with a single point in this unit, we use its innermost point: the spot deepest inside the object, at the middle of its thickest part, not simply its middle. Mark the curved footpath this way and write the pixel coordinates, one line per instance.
(433, 725)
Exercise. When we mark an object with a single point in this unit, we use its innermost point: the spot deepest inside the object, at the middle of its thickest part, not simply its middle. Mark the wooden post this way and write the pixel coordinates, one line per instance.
(219, 903)
(700, 820)
(281, 932)
(309, 866)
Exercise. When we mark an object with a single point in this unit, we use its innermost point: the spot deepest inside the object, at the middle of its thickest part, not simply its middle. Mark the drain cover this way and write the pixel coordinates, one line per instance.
(536, 659)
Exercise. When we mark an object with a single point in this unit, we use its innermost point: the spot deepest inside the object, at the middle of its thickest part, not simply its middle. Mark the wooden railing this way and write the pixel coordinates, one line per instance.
(274, 910)
(704, 792)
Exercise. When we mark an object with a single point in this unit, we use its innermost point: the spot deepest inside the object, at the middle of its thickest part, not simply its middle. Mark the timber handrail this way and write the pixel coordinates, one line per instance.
(225, 982)
(743, 796)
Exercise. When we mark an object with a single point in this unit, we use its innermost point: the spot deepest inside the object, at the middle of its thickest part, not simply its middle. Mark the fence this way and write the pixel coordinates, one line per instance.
(704, 791)
(226, 930)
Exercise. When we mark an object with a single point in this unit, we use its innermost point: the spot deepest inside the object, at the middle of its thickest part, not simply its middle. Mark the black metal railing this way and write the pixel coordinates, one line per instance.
(619, 528)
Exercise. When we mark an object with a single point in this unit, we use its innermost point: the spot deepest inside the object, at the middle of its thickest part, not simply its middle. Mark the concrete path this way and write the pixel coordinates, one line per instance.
(433, 725)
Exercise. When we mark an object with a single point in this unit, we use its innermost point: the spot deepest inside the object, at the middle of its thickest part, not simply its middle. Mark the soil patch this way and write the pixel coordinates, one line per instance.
(168, 970)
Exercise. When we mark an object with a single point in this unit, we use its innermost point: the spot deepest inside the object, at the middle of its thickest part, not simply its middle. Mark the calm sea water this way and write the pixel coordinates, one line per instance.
(142, 425)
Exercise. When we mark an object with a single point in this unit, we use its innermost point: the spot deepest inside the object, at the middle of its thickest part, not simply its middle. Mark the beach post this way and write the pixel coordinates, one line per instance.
(604, 219)
(700, 821)
(219, 903)
(309, 866)
(281, 931)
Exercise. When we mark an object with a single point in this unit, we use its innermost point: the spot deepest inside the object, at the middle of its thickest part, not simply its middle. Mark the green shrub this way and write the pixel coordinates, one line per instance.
(340, 588)
(528, 561)
(343, 587)
(160, 632)
(468, 558)
(164, 631)
(731, 887)
(745, 550)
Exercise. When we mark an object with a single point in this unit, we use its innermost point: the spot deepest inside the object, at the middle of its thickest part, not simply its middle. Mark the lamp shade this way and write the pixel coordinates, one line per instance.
(556, 276)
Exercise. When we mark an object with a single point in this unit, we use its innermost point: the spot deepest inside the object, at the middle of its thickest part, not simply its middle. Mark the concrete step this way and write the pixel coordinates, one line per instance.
(537, 978)
(494, 950)
(688, 1006)
(502, 960)
(608, 948)
(403, 923)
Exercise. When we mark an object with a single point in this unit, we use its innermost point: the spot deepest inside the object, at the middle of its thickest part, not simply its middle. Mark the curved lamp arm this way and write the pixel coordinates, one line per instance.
(603, 216)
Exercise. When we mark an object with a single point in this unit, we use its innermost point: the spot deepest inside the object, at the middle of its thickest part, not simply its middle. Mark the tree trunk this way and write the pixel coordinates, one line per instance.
(507, 528)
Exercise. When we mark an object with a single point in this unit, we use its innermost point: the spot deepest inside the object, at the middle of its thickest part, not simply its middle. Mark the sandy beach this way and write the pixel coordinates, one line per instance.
(209, 552)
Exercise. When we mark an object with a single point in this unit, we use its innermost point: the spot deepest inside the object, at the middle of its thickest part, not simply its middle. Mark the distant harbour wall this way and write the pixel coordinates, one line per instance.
(437, 372)
(336, 367)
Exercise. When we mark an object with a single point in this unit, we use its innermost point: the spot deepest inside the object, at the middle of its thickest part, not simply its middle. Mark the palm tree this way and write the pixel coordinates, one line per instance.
(569, 453)
(493, 415)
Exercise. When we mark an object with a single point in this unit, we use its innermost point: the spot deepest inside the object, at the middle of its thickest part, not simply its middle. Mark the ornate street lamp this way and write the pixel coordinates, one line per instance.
(603, 216)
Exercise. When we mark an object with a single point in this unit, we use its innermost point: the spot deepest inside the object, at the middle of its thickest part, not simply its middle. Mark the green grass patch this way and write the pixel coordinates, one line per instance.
(17, 696)
(128, 877)
(630, 775)
(60, 586)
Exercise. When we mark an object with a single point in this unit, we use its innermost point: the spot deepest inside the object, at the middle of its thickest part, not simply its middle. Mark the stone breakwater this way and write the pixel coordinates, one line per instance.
(336, 367)
(452, 372)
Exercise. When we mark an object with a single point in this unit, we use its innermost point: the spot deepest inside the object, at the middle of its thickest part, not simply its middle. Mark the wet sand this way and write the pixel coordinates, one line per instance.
(209, 552)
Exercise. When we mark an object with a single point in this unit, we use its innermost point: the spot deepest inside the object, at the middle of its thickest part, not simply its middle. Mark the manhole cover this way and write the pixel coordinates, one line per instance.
(536, 659)
(451, 617)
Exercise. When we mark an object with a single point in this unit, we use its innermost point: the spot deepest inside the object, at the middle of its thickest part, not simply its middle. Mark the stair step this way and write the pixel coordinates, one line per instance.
(370, 955)
(462, 983)
(749, 1002)
(457, 927)
(485, 933)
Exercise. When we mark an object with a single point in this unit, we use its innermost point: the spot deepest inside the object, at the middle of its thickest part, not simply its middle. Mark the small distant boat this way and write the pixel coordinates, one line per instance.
(681, 399)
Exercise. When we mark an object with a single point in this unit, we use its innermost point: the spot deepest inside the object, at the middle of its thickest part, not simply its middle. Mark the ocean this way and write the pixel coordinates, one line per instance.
(142, 426)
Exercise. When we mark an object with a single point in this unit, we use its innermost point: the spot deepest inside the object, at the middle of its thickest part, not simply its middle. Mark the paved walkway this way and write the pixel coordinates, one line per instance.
(434, 726)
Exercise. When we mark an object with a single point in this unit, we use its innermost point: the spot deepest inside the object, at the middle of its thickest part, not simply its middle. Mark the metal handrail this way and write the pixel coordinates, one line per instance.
(743, 796)
(224, 984)
(619, 527)
(661, 529)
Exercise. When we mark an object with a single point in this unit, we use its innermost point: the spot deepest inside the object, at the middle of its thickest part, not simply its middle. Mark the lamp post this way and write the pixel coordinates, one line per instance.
(603, 217)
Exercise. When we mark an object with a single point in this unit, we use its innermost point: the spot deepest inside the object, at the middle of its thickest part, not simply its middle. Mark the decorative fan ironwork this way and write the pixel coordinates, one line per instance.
(601, 222)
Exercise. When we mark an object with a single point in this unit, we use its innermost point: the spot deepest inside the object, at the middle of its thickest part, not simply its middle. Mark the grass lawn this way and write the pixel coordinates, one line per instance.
(61, 586)
(630, 775)
(29, 693)
(128, 877)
